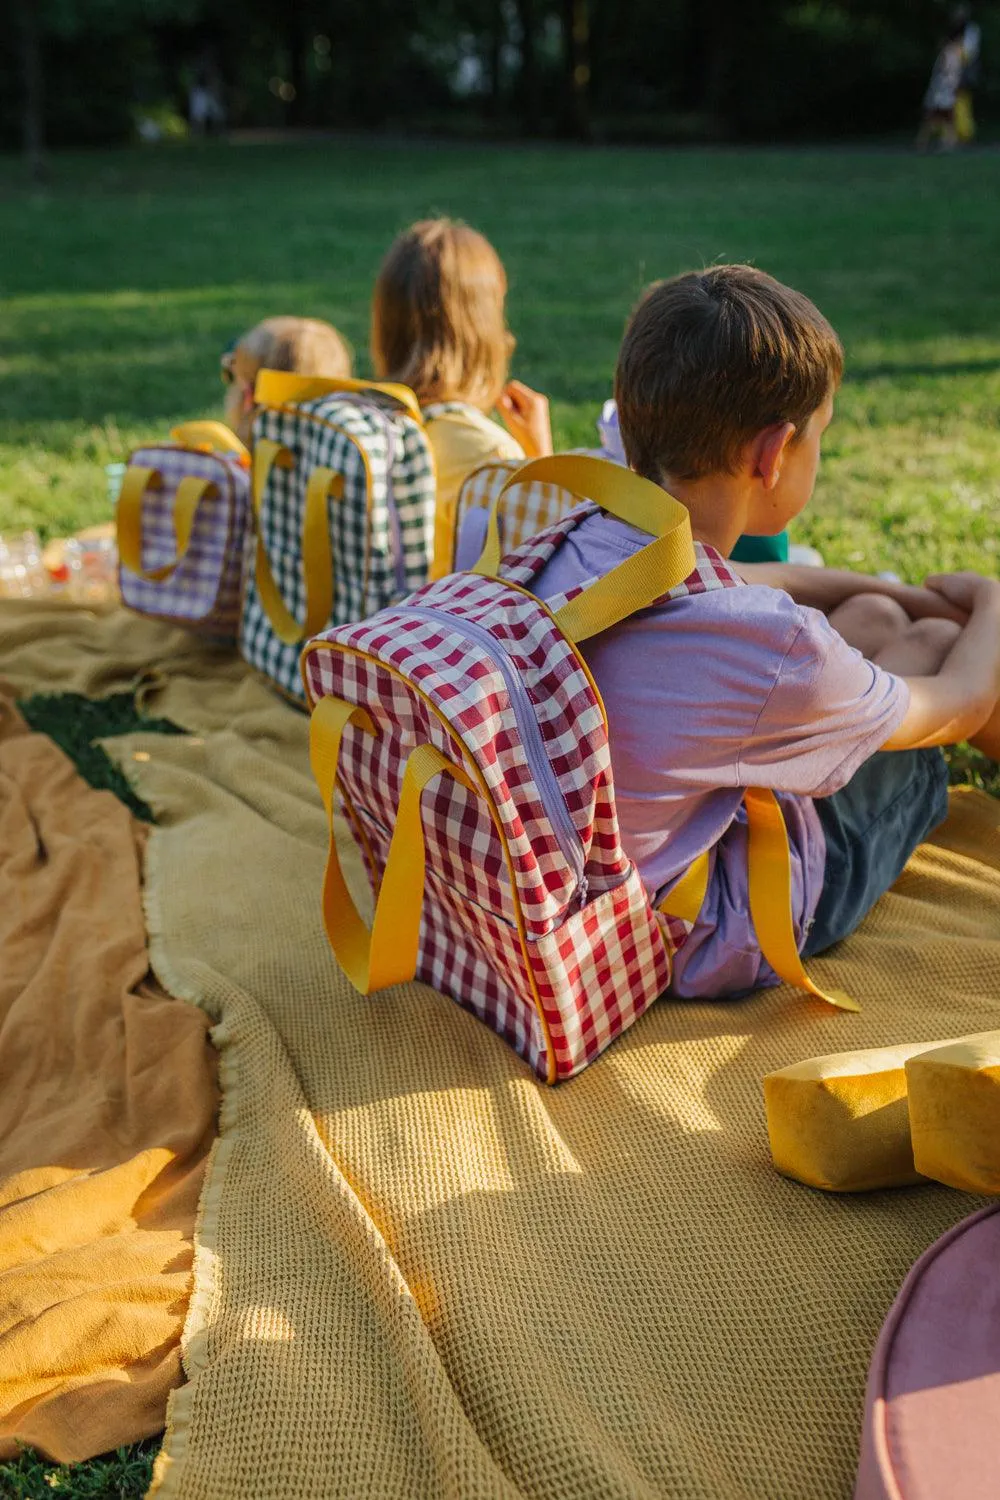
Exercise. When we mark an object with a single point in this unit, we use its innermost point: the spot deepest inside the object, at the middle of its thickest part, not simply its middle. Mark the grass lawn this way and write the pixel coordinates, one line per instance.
(122, 280)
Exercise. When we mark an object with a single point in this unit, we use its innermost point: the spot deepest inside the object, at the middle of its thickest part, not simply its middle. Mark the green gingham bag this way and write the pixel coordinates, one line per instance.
(343, 512)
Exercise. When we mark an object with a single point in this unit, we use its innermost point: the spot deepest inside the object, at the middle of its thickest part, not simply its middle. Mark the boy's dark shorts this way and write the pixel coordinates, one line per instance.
(872, 826)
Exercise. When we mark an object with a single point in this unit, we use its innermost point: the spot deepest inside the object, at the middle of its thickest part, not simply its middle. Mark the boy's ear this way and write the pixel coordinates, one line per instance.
(767, 452)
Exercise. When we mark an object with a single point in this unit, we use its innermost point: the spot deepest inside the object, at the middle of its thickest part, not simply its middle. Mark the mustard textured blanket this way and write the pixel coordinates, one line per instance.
(420, 1273)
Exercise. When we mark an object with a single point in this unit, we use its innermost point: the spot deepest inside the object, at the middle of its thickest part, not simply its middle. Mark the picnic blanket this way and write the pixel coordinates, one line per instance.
(107, 1112)
(59, 648)
(421, 1273)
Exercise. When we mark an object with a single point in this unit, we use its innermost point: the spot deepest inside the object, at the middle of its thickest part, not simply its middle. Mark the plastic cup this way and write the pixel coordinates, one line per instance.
(115, 475)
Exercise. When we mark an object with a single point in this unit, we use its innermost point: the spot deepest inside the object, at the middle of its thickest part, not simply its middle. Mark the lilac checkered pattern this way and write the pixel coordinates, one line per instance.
(525, 510)
(203, 593)
(556, 966)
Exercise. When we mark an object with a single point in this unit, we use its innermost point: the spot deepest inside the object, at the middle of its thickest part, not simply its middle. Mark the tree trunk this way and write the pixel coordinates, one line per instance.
(531, 97)
(32, 90)
(576, 41)
(296, 41)
(497, 30)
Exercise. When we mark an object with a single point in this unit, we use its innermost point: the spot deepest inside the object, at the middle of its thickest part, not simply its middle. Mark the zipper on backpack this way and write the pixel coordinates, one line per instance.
(553, 799)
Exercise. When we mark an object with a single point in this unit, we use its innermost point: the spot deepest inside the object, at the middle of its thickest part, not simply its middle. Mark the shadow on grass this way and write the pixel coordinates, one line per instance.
(860, 374)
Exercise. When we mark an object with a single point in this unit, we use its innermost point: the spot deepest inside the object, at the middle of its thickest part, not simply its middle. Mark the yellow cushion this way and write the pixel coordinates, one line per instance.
(954, 1099)
(840, 1122)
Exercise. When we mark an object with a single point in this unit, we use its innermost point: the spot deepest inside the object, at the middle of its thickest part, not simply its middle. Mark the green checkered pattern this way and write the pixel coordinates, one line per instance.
(385, 460)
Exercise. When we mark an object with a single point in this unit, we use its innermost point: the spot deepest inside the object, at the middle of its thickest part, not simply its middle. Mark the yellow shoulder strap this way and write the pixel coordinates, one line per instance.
(279, 388)
(188, 496)
(770, 889)
(640, 580)
(210, 437)
(317, 558)
(770, 880)
(388, 954)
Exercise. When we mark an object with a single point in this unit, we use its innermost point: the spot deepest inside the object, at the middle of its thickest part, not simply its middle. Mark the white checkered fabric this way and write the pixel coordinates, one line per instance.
(381, 529)
(203, 592)
(525, 510)
(557, 963)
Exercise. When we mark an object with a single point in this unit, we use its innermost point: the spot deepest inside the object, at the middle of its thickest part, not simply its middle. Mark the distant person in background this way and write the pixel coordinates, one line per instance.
(965, 119)
(304, 346)
(439, 326)
(206, 111)
(938, 123)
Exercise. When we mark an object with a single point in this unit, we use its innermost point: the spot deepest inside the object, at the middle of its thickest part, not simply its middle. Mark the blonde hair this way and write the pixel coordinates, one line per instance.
(305, 346)
(438, 321)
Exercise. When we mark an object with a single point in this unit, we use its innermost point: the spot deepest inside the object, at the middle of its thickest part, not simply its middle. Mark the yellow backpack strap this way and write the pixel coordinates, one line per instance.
(279, 388)
(770, 882)
(388, 953)
(317, 557)
(687, 897)
(188, 496)
(210, 437)
(639, 581)
(770, 889)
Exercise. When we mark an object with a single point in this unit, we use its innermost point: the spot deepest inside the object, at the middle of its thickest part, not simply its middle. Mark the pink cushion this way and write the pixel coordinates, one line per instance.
(932, 1415)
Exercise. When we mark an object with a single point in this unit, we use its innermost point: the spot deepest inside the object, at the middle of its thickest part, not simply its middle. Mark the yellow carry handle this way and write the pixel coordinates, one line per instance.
(279, 388)
(189, 495)
(388, 953)
(770, 888)
(639, 581)
(317, 557)
(211, 437)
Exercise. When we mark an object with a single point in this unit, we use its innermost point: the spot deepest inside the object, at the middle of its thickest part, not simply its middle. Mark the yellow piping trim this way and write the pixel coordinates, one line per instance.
(494, 815)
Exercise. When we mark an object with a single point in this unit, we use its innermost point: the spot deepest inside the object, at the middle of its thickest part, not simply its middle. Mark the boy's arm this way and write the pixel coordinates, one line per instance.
(826, 588)
(958, 701)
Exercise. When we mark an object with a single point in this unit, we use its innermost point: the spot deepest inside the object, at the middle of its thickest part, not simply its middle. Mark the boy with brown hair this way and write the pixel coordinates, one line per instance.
(725, 384)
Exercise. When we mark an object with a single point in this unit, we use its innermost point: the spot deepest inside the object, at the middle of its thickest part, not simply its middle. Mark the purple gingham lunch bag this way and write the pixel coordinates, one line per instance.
(182, 517)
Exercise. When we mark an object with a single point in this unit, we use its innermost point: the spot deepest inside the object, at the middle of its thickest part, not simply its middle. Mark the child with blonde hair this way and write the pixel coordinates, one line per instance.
(305, 346)
(439, 326)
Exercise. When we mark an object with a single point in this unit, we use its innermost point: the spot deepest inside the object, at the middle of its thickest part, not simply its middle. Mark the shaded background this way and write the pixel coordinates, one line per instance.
(618, 70)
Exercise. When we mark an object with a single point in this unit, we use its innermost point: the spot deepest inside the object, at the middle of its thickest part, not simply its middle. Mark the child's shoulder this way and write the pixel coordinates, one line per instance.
(463, 435)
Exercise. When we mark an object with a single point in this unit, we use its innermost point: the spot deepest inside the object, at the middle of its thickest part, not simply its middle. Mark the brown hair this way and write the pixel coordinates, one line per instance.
(303, 345)
(710, 359)
(438, 315)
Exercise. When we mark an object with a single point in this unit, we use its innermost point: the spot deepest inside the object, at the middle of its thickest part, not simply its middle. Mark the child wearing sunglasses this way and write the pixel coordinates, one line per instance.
(304, 346)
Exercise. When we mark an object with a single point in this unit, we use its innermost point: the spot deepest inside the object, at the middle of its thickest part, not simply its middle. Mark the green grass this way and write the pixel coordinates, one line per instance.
(122, 1475)
(77, 723)
(121, 282)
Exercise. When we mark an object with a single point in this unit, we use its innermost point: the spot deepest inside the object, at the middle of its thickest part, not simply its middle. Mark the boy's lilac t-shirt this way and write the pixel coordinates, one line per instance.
(708, 694)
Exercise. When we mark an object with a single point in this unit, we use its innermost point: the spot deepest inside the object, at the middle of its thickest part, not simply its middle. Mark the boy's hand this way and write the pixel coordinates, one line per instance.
(526, 416)
(966, 591)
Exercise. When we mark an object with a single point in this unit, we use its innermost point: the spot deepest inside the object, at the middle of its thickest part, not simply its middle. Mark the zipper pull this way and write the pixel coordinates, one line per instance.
(581, 893)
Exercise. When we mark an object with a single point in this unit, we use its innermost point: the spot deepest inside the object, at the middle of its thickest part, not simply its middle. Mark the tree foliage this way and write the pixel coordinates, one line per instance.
(656, 69)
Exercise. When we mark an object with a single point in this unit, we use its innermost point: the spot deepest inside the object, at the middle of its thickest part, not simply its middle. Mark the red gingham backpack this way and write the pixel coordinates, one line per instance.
(503, 884)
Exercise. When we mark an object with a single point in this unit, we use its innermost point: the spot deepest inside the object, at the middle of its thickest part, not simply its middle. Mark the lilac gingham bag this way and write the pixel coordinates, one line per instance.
(182, 526)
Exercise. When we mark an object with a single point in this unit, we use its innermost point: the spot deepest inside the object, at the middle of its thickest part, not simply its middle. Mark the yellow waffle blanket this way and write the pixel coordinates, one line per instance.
(420, 1273)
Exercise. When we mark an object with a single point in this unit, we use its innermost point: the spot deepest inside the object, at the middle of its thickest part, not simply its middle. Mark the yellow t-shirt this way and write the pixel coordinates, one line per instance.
(461, 438)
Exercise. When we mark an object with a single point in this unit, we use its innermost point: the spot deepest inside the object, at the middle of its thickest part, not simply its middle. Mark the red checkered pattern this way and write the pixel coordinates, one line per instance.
(557, 964)
(204, 591)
